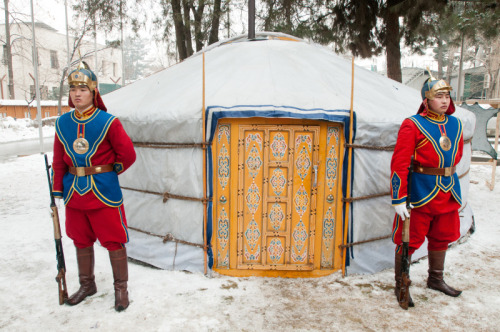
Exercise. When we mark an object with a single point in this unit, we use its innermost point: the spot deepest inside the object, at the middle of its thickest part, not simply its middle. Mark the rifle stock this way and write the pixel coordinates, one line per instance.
(404, 291)
(61, 265)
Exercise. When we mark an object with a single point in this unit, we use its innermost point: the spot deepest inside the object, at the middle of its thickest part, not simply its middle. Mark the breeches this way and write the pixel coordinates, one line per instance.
(440, 230)
(107, 224)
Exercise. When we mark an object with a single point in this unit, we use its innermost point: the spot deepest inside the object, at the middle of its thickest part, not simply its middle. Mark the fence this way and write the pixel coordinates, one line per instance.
(22, 110)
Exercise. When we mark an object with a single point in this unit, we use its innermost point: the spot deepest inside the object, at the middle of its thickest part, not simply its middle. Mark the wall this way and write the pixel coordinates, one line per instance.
(52, 55)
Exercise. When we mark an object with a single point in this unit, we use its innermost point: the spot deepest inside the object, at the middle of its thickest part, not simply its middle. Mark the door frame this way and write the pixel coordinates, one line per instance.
(317, 271)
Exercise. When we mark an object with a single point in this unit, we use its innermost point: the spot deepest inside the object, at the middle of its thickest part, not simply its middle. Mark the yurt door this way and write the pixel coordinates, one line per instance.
(268, 179)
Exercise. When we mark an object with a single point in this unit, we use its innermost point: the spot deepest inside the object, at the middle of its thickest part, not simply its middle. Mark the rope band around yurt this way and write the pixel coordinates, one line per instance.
(154, 145)
(166, 238)
(169, 237)
(166, 195)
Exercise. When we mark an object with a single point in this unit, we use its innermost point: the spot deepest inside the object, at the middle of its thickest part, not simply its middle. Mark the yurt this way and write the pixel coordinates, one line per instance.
(261, 158)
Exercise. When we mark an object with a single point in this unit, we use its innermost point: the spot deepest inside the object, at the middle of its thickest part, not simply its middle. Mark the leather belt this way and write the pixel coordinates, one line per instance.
(83, 171)
(446, 171)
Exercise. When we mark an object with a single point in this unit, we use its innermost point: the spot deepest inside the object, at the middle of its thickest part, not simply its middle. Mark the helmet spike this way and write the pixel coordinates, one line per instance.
(430, 74)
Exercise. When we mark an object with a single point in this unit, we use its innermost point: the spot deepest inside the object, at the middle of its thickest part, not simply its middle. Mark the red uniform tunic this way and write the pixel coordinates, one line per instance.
(436, 216)
(88, 216)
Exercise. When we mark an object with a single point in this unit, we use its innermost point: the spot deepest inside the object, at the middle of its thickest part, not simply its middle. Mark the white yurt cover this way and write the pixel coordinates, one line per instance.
(274, 76)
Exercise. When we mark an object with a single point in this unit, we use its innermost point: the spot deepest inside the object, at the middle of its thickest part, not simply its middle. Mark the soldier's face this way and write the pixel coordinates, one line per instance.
(440, 103)
(81, 96)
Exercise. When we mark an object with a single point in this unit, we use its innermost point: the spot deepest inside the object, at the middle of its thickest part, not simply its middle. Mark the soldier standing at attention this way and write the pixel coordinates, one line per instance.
(90, 149)
(433, 137)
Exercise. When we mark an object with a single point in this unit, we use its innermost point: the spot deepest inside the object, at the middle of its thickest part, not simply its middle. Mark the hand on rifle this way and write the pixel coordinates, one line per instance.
(402, 211)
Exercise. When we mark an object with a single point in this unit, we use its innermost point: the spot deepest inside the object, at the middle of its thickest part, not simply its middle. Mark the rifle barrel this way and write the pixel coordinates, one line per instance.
(47, 168)
(61, 265)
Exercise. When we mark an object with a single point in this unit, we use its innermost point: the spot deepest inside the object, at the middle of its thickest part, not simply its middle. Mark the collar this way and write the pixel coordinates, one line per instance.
(85, 114)
(434, 116)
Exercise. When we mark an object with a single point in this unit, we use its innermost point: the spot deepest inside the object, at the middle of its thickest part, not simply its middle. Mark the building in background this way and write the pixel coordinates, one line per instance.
(52, 57)
(475, 83)
(20, 109)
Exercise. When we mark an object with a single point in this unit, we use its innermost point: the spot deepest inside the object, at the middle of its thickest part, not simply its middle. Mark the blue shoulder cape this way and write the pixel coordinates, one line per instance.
(104, 185)
(425, 187)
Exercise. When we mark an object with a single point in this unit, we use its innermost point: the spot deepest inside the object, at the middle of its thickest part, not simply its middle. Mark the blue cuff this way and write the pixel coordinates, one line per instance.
(399, 201)
(118, 167)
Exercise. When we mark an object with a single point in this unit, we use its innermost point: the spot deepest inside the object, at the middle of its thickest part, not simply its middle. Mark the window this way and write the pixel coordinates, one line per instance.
(114, 69)
(55, 93)
(44, 92)
(54, 62)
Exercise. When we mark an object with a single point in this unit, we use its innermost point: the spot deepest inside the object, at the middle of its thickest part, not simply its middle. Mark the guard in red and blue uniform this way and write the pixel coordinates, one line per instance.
(91, 149)
(434, 138)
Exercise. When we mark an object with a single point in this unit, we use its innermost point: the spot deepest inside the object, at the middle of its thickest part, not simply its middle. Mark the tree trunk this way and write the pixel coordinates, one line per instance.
(214, 33)
(288, 15)
(198, 16)
(61, 90)
(392, 39)
(228, 26)
(493, 91)
(449, 66)
(8, 52)
(179, 29)
(440, 56)
(268, 22)
(187, 27)
(493, 67)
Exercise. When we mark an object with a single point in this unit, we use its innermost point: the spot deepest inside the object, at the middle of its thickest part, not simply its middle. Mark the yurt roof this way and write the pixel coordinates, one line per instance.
(275, 71)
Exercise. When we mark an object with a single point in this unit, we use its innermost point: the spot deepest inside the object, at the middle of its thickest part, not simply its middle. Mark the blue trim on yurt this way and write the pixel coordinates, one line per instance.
(210, 255)
(214, 113)
(350, 235)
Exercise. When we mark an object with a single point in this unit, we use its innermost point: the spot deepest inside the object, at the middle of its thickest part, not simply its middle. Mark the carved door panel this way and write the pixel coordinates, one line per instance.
(277, 197)
(277, 168)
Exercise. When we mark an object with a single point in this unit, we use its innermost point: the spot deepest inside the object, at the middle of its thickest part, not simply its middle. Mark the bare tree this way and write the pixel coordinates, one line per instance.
(87, 26)
(8, 51)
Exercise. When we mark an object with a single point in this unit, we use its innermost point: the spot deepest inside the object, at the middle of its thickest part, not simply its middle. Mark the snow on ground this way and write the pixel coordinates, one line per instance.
(20, 129)
(178, 301)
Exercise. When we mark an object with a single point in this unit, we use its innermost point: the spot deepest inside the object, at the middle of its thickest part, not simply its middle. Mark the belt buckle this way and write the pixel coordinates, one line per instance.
(80, 171)
(447, 171)
(98, 169)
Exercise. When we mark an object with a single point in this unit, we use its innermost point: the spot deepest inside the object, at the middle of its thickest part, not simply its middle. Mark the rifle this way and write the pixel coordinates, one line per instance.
(61, 265)
(404, 291)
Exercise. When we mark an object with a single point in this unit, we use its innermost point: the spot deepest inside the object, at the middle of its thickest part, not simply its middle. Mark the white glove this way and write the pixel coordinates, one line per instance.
(402, 211)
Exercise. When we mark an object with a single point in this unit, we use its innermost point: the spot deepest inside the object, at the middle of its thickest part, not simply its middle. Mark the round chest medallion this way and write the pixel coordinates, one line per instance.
(445, 143)
(81, 145)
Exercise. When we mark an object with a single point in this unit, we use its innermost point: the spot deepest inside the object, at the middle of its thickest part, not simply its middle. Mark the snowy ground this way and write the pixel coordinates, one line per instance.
(21, 129)
(178, 301)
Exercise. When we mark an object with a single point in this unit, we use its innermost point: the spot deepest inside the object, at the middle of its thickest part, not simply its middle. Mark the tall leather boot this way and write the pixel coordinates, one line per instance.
(436, 269)
(397, 276)
(85, 259)
(119, 264)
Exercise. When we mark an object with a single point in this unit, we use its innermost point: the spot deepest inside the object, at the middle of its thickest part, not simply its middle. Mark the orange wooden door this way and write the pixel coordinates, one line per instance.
(276, 166)
(272, 182)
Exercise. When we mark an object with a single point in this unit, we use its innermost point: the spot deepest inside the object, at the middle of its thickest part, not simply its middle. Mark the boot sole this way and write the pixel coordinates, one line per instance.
(440, 290)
